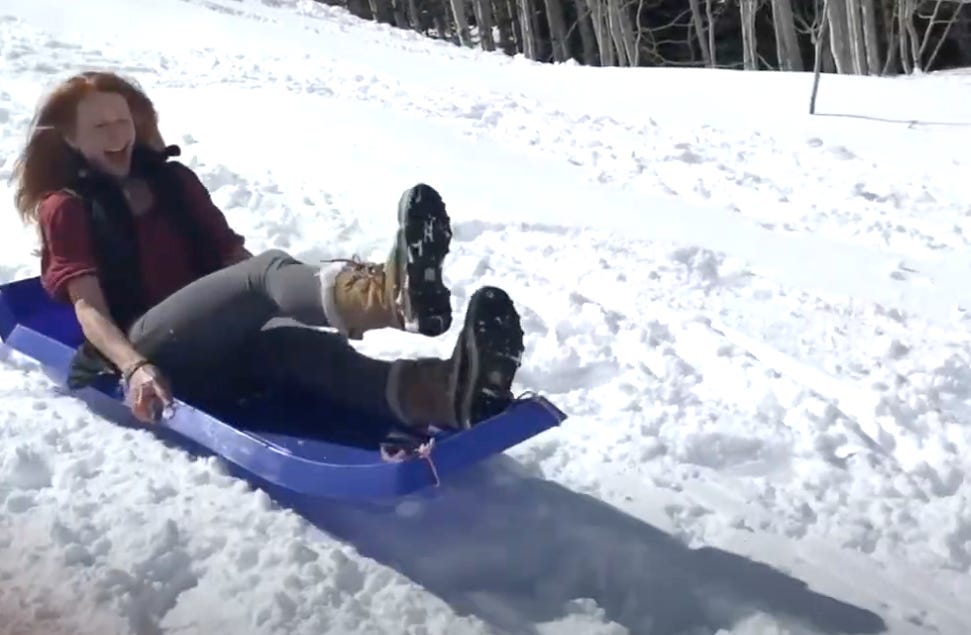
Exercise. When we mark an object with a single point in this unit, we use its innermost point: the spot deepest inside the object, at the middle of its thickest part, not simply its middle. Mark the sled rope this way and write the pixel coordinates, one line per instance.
(425, 452)
(421, 451)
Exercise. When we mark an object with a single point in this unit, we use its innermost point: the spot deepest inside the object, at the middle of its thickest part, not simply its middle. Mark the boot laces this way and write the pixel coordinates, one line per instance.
(373, 273)
(361, 269)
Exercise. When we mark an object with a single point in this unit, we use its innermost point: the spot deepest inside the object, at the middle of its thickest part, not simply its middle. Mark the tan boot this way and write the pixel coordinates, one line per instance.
(475, 383)
(359, 297)
(407, 292)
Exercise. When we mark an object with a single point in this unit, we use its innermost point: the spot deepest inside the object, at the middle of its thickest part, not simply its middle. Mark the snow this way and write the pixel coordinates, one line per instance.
(756, 319)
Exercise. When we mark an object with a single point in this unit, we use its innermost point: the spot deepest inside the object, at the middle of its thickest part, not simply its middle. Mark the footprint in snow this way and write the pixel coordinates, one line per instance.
(841, 152)
(19, 503)
(25, 468)
(56, 44)
(688, 154)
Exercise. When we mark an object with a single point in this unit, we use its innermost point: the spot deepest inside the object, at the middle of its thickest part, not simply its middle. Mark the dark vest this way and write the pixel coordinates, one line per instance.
(112, 229)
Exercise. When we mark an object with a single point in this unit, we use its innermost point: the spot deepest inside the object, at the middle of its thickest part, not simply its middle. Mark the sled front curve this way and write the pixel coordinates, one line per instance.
(308, 447)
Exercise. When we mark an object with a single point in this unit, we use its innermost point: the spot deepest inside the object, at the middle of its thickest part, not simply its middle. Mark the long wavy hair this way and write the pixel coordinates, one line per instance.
(47, 163)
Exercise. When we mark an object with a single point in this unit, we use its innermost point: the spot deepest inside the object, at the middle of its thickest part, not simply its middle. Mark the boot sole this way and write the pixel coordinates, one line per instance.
(488, 354)
(424, 237)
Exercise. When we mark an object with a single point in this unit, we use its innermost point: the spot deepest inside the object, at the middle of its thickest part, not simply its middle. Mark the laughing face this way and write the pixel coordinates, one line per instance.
(104, 132)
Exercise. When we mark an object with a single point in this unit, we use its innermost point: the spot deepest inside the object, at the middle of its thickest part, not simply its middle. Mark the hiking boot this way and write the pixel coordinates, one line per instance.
(407, 291)
(475, 383)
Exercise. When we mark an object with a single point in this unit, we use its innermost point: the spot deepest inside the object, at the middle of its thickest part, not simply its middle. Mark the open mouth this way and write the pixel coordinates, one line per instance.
(116, 155)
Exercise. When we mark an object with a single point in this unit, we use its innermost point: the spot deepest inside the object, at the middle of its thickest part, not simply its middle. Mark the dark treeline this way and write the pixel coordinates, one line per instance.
(874, 37)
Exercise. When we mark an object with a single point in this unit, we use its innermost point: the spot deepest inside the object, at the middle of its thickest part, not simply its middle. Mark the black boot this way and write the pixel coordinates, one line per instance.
(423, 239)
(487, 356)
(475, 383)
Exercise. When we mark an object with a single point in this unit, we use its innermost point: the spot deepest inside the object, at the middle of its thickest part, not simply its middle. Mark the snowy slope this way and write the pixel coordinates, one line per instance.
(757, 320)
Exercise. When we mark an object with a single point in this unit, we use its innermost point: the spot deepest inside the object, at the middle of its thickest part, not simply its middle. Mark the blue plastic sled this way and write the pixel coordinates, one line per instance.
(297, 443)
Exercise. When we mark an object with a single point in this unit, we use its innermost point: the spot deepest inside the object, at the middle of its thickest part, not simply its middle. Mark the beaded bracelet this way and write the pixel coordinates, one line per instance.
(126, 375)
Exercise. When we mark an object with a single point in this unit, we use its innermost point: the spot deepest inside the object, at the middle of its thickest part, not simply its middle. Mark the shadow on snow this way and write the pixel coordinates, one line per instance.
(515, 551)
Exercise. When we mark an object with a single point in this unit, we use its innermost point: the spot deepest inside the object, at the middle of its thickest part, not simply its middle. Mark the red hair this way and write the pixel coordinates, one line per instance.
(47, 163)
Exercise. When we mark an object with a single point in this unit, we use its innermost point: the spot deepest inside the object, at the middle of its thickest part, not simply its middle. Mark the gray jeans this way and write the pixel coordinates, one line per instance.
(257, 321)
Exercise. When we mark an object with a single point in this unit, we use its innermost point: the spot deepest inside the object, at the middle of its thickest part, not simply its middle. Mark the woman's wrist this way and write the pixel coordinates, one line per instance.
(131, 368)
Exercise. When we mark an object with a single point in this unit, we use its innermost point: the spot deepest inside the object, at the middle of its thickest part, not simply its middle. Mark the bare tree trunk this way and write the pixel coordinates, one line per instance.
(628, 31)
(512, 9)
(890, 19)
(711, 33)
(902, 18)
(618, 33)
(507, 39)
(854, 29)
(614, 32)
(588, 39)
(483, 18)
(461, 22)
(749, 45)
(699, 27)
(829, 64)
(818, 62)
(400, 12)
(444, 22)
(911, 8)
(526, 20)
(598, 14)
(787, 44)
(839, 37)
(382, 11)
(870, 35)
(359, 9)
(554, 15)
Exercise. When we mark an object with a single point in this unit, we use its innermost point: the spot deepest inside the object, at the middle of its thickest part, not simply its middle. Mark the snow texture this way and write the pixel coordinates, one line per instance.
(757, 320)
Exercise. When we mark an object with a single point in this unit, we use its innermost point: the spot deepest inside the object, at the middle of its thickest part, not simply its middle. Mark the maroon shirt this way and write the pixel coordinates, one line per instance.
(166, 267)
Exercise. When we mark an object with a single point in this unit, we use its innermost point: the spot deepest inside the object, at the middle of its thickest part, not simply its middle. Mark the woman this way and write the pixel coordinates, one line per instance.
(169, 299)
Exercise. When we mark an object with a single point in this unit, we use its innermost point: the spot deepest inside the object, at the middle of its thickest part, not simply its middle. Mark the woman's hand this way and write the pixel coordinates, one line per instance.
(148, 393)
